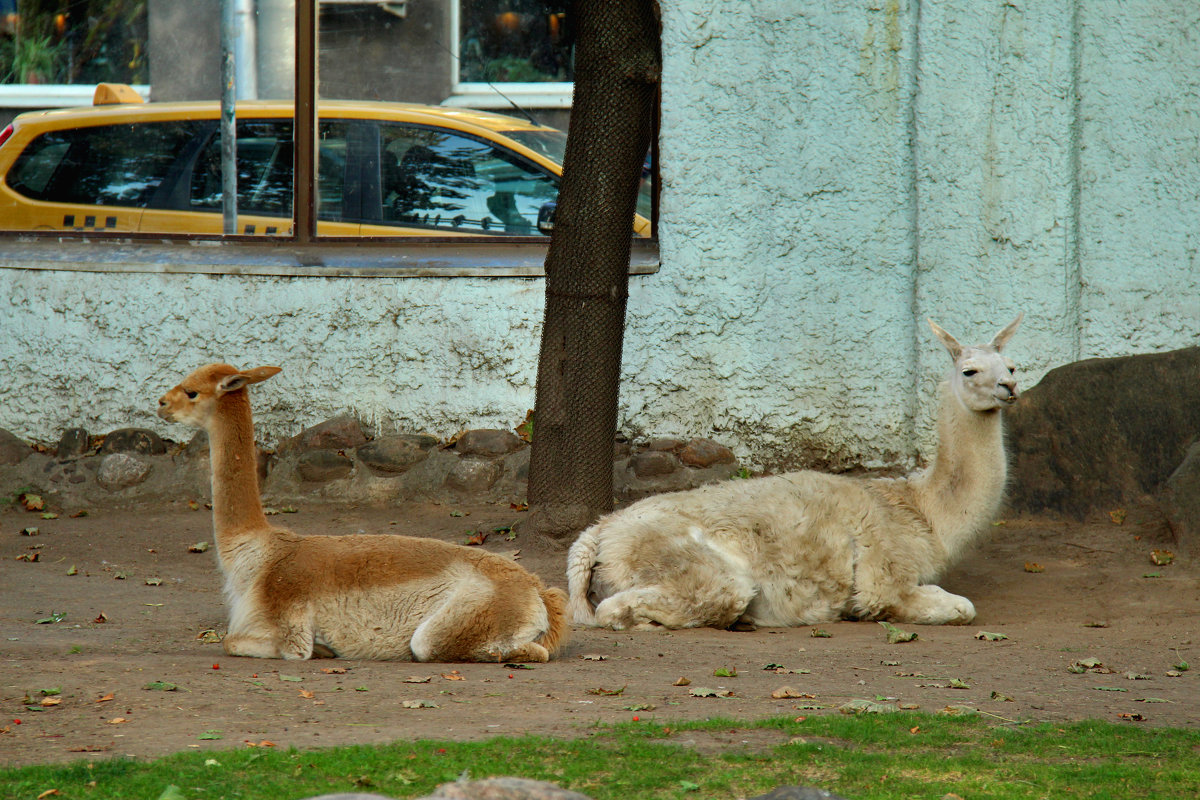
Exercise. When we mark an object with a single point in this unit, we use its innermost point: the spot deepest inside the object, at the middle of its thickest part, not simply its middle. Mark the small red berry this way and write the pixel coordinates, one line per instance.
(216, 666)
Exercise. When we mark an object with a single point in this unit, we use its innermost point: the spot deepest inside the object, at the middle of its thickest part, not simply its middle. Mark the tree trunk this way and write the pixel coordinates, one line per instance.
(587, 267)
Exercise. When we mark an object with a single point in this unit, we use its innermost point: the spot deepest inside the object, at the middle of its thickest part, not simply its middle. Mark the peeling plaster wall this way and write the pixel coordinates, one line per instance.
(830, 177)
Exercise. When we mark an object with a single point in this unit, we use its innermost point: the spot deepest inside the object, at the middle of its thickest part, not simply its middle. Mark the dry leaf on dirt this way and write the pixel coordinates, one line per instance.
(895, 635)
(1117, 515)
(106, 698)
(1034, 567)
(606, 692)
(701, 691)
(984, 636)
(867, 707)
(819, 633)
(117, 721)
(475, 538)
(593, 657)
(32, 502)
(198, 547)
(454, 675)
(306, 694)
(1161, 557)
(418, 679)
(46, 702)
(334, 670)
(417, 704)
(682, 682)
(101, 619)
(209, 636)
(725, 672)
(787, 692)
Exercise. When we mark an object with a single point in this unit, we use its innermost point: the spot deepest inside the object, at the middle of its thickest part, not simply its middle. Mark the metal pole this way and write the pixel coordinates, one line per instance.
(228, 118)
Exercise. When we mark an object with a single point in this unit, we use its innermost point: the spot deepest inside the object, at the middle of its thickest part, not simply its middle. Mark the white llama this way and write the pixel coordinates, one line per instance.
(358, 596)
(808, 547)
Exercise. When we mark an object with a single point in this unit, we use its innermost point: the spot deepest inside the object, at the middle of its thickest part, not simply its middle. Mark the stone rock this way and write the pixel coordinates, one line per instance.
(668, 445)
(197, 445)
(133, 440)
(487, 442)
(395, 453)
(798, 793)
(122, 470)
(502, 789)
(1098, 433)
(322, 466)
(13, 450)
(704, 453)
(473, 475)
(1180, 500)
(653, 463)
(340, 433)
(73, 442)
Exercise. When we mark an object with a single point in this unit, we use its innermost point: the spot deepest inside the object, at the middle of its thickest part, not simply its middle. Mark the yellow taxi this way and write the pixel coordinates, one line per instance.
(384, 169)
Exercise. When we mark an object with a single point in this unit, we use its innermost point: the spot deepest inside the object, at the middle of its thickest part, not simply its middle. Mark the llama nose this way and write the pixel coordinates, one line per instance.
(1011, 386)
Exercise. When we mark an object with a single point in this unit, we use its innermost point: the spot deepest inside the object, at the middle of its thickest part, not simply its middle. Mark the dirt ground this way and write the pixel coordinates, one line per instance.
(135, 603)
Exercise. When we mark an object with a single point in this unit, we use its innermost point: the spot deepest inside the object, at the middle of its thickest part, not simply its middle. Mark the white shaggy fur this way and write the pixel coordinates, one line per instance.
(809, 547)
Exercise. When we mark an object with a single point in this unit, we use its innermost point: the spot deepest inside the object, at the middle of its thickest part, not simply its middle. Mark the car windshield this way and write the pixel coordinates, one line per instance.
(553, 145)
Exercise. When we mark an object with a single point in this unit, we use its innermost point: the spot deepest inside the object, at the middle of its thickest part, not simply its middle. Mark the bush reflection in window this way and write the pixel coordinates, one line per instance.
(446, 182)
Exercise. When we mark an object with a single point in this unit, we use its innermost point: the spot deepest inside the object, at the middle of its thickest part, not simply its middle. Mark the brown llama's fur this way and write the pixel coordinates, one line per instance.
(356, 596)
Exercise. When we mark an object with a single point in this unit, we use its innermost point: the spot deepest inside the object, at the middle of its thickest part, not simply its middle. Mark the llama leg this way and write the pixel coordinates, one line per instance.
(479, 621)
(250, 646)
(932, 605)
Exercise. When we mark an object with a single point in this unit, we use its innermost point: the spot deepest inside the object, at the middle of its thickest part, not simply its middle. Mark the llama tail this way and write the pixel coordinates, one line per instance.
(581, 560)
(555, 637)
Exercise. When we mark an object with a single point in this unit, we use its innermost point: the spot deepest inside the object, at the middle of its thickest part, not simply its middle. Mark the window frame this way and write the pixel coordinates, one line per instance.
(304, 252)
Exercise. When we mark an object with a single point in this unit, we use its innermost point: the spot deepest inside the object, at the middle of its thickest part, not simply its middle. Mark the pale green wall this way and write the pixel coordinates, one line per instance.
(830, 178)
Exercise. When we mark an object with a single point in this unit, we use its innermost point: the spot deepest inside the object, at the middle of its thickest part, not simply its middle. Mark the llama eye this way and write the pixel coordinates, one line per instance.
(969, 372)
(191, 395)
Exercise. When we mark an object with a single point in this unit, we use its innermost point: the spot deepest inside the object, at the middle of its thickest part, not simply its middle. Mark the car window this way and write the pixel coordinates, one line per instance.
(119, 165)
(443, 181)
(264, 166)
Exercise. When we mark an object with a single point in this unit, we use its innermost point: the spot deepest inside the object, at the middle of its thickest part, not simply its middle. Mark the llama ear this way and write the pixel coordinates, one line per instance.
(949, 342)
(260, 374)
(1001, 338)
(231, 383)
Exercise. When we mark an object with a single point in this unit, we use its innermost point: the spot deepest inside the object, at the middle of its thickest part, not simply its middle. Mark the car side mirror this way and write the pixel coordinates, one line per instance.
(545, 223)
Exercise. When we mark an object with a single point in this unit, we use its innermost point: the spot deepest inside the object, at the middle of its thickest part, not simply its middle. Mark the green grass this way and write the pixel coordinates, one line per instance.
(863, 758)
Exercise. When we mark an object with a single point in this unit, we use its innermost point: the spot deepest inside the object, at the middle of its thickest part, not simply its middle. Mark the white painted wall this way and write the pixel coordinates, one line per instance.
(830, 178)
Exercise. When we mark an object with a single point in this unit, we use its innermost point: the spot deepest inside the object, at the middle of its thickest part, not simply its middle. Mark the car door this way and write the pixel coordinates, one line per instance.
(439, 182)
(97, 177)
(265, 186)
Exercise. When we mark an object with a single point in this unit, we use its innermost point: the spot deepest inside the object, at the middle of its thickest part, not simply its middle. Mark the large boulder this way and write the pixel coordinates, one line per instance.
(1099, 433)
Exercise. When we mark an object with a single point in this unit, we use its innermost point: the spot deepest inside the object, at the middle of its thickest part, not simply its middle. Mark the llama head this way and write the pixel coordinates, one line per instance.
(194, 401)
(984, 379)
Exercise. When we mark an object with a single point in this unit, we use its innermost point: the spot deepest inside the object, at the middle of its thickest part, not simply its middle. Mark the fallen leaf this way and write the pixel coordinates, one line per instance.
(193, 505)
(1117, 515)
(417, 704)
(106, 698)
(606, 692)
(475, 538)
(117, 721)
(30, 531)
(78, 514)
(1108, 689)
(154, 581)
(895, 635)
(47, 793)
(292, 678)
(1001, 697)
(334, 670)
(990, 637)
(210, 735)
(306, 694)
(1132, 717)
(454, 675)
(819, 633)
(72, 570)
(263, 743)
(955, 683)
(31, 557)
(514, 665)
(1033, 566)
(701, 691)
(49, 515)
(787, 692)
(519, 506)
(50, 701)
(1095, 624)
(418, 679)
(682, 682)
(593, 657)
(959, 711)
(209, 636)
(725, 672)
(1136, 676)
(1161, 558)
(100, 620)
(867, 707)
(32, 502)
(198, 547)
(161, 686)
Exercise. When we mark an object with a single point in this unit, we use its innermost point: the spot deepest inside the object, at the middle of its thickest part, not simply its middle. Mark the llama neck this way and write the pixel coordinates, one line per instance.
(961, 491)
(237, 508)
